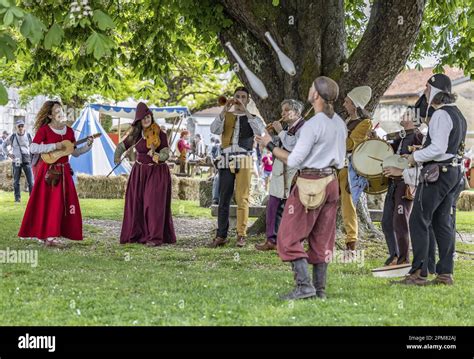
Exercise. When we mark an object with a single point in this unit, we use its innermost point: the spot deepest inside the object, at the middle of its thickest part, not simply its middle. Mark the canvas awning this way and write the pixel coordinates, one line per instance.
(129, 112)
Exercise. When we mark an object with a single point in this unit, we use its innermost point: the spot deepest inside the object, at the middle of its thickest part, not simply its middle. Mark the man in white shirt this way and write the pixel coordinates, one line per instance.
(310, 211)
(441, 156)
(237, 127)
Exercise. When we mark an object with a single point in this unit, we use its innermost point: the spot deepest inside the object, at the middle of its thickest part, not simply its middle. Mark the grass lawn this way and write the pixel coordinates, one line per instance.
(99, 282)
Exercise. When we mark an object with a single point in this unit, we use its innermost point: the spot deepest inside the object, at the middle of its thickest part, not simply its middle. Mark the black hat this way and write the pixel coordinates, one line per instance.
(441, 82)
(421, 106)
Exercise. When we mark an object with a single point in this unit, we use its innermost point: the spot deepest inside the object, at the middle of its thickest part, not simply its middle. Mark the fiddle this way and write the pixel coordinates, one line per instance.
(152, 136)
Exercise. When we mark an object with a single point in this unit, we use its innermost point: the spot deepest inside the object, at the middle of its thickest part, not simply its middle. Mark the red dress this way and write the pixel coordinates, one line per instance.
(53, 211)
(147, 216)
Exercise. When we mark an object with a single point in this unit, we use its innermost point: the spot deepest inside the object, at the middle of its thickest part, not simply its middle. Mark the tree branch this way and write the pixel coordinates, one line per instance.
(384, 48)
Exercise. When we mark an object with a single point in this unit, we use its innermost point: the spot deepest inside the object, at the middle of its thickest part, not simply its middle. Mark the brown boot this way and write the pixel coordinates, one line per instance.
(446, 279)
(241, 241)
(267, 246)
(218, 242)
(351, 246)
(391, 261)
(412, 279)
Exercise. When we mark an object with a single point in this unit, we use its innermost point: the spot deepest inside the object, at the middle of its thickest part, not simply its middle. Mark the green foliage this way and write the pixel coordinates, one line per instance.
(169, 48)
(3, 95)
(106, 122)
(100, 45)
(356, 22)
(32, 28)
(53, 37)
(103, 20)
(448, 32)
(7, 47)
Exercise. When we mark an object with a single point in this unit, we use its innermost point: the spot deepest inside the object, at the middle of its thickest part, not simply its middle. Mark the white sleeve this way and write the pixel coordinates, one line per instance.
(303, 147)
(439, 129)
(81, 150)
(288, 141)
(411, 175)
(43, 148)
(217, 126)
(257, 125)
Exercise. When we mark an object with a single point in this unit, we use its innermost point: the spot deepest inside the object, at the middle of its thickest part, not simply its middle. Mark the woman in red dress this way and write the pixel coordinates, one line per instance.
(147, 216)
(53, 208)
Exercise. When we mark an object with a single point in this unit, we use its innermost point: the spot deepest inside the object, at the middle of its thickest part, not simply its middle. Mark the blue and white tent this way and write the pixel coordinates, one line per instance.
(100, 159)
(129, 111)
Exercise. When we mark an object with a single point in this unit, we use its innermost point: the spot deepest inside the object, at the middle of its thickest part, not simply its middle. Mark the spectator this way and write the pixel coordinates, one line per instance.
(3, 156)
(199, 148)
(183, 148)
(20, 154)
(267, 163)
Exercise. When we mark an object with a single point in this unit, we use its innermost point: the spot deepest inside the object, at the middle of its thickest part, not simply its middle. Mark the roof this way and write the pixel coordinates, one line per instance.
(208, 112)
(412, 82)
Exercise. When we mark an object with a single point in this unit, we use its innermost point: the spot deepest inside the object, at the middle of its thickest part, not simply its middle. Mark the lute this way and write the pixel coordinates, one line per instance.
(68, 148)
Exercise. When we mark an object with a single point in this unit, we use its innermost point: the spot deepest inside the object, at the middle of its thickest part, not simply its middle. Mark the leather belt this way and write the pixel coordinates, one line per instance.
(148, 164)
(318, 171)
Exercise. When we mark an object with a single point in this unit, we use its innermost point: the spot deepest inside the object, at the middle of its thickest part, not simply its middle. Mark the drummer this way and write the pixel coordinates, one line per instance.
(359, 126)
(399, 198)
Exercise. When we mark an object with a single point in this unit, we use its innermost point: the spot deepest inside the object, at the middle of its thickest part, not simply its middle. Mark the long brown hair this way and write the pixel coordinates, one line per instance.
(42, 118)
(135, 133)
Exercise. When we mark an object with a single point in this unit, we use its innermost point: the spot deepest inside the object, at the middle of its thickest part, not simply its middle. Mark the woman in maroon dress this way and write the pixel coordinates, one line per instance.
(147, 218)
(53, 208)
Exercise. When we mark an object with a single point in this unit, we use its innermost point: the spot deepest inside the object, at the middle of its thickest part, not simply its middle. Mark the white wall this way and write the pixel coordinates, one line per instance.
(13, 108)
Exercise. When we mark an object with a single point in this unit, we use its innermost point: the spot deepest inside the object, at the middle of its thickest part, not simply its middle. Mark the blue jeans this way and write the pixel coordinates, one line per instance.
(16, 178)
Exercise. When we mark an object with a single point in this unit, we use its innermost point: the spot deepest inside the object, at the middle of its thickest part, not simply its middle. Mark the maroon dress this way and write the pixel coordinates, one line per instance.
(147, 217)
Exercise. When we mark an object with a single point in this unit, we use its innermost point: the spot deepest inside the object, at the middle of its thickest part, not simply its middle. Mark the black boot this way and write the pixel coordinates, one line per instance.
(304, 287)
(319, 279)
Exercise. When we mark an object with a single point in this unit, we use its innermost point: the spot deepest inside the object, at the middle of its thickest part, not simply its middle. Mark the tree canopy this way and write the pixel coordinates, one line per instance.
(170, 51)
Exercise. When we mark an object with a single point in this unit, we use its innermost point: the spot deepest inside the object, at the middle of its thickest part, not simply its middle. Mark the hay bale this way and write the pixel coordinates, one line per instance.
(205, 193)
(6, 177)
(101, 186)
(466, 201)
(174, 187)
(188, 189)
(6, 181)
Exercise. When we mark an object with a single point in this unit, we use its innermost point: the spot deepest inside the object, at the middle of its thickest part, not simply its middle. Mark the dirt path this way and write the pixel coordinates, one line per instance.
(189, 231)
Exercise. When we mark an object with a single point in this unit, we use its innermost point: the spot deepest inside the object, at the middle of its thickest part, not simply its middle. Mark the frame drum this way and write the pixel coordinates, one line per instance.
(367, 160)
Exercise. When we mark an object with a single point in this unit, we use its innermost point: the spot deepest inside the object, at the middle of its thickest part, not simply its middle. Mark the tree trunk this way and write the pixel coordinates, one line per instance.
(312, 33)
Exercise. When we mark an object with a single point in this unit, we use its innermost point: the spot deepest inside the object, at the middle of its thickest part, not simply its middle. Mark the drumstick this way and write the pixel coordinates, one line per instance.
(375, 158)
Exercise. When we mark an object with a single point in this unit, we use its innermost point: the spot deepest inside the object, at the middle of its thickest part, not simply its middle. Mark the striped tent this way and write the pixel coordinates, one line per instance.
(100, 159)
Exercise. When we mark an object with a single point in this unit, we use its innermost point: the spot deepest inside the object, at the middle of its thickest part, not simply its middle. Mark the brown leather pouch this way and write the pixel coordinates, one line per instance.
(429, 173)
(52, 176)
